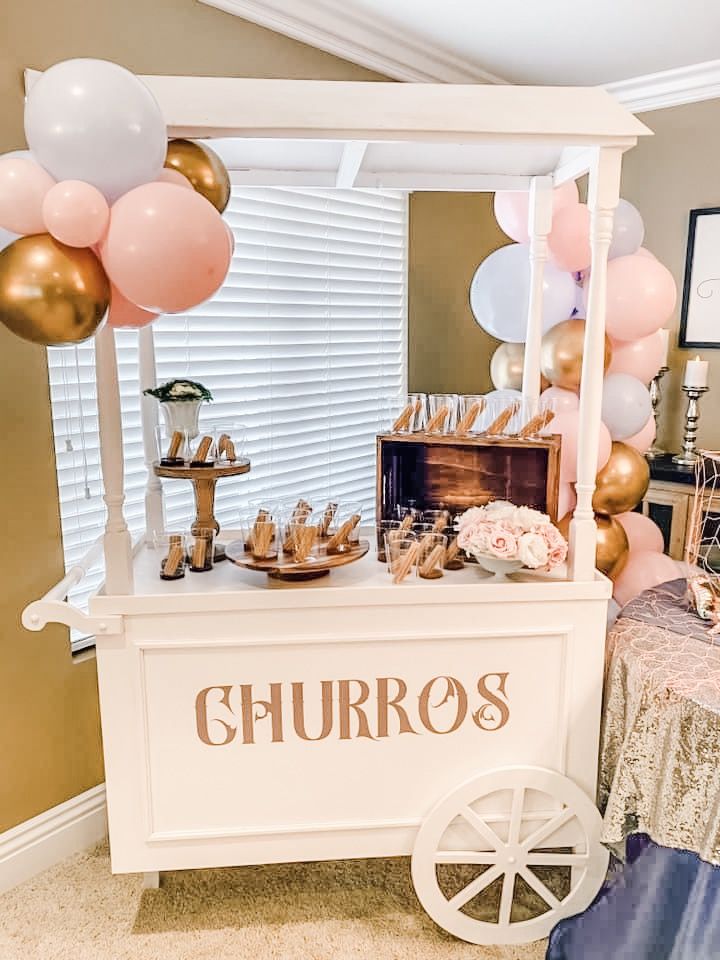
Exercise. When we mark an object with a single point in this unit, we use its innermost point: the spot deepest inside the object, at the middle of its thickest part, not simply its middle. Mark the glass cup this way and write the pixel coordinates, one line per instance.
(431, 556)
(402, 554)
(301, 536)
(291, 514)
(260, 534)
(230, 438)
(470, 411)
(201, 550)
(328, 517)
(535, 417)
(439, 520)
(442, 414)
(383, 529)
(500, 418)
(203, 452)
(418, 420)
(171, 446)
(454, 557)
(344, 528)
(172, 551)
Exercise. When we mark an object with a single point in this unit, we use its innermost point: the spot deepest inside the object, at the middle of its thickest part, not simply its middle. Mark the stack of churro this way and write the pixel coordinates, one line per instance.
(173, 566)
(403, 421)
(436, 424)
(226, 447)
(499, 423)
(339, 542)
(466, 422)
(453, 560)
(402, 565)
(302, 537)
(200, 558)
(538, 423)
(174, 447)
(327, 519)
(299, 516)
(263, 535)
(202, 454)
(430, 567)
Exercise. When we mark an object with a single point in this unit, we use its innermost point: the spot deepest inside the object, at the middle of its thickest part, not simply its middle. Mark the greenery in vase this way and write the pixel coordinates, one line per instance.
(181, 390)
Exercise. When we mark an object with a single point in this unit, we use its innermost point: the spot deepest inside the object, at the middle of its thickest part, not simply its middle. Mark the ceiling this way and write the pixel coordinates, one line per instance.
(560, 41)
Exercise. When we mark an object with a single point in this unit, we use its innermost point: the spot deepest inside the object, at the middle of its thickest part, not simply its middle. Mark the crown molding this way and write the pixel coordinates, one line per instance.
(671, 88)
(366, 41)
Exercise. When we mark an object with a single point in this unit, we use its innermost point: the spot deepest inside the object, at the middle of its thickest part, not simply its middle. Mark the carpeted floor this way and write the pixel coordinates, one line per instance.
(345, 910)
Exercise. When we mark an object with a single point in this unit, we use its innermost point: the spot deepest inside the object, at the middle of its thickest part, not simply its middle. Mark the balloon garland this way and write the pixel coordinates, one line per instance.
(101, 217)
(641, 296)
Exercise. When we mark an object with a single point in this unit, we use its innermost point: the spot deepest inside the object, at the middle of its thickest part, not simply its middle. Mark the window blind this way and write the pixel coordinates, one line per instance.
(304, 344)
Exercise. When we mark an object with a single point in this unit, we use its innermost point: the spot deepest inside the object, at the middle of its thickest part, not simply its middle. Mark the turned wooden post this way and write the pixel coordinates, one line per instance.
(603, 194)
(154, 507)
(540, 222)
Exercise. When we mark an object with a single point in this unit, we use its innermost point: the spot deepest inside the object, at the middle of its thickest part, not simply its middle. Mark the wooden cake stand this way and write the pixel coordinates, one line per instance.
(204, 480)
(284, 567)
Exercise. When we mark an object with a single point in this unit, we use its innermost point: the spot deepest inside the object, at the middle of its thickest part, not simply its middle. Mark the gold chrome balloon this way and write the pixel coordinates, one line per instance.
(50, 293)
(506, 366)
(622, 482)
(561, 354)
(612, 544)
(203, 168)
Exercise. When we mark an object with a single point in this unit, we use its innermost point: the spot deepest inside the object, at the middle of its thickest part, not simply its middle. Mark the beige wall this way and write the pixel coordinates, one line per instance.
(450, 234)
(49, 731)
(666, 176)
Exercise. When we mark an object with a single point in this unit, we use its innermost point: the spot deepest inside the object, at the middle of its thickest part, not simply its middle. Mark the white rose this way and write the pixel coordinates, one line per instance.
(500, 510)
(527, 518)
(471, 516)
(183, 390)
(532, 551)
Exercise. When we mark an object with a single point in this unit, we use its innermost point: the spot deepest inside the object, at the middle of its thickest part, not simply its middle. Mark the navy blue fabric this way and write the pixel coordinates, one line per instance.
(660, 905)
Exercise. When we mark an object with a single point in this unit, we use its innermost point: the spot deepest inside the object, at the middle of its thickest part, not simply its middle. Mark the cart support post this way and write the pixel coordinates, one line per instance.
(603, 195)
(154, 508)
(117, 542)
(539, 225)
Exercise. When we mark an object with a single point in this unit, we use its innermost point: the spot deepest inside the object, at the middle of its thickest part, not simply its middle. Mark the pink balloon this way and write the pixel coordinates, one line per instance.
(23, 185)
(562, 400)
(644, 252)
(641, 532)
(166, 248)
(640, 358)
(567, 499)
(231, 240)
(643, 439)
(75, 213)
(167, 175)
(567, 425)
(643, 570)
(641, 295)
(123, 313)
(512, 208)
(569, 240)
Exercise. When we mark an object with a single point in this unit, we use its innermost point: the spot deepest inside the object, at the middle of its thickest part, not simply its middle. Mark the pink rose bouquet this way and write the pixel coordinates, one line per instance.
(502, 531)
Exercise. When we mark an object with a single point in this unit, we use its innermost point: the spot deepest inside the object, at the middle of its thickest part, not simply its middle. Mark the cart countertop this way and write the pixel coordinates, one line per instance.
(366, 582)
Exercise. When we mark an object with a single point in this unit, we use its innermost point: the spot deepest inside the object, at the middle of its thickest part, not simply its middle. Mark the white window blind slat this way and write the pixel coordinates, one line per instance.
(303, 344)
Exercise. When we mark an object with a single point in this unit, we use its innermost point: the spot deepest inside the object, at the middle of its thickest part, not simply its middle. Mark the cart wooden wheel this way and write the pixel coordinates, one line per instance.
(506, 855)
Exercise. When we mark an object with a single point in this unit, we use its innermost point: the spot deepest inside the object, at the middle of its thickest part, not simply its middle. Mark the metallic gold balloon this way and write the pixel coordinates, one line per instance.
(612, 544)
(561, 354)
(50, 293)
(506, 366)
(203, 168)
(622, 482)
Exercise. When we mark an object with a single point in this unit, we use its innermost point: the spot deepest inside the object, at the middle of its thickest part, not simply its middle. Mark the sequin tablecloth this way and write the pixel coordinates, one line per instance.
(660, 751)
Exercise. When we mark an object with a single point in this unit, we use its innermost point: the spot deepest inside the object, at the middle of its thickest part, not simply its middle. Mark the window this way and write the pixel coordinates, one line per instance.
(303, 344)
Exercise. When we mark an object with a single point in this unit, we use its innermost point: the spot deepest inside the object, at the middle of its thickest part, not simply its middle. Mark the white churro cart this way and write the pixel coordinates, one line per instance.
(252, 721)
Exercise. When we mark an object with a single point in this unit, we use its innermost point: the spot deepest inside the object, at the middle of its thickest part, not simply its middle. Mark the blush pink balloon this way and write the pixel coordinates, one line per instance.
(641, 295)
(167, 175)
(643, 439)
(640, 358)
(561, 400)
(569, 239)
(644, 252)
(641, 532)
(75, 213)
(512, 208)
(23, 186)
(643, 570)
(567, 425)
(123, 313)
(166, 248)
(567, 499)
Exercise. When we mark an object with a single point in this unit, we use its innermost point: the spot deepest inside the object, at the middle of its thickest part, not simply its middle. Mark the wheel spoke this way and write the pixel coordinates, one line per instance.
(474, 887)
(466, 856)
(539, 887)
(506, 898)
(547, 829)
(557, 859)
(481, 827)
(516, 814)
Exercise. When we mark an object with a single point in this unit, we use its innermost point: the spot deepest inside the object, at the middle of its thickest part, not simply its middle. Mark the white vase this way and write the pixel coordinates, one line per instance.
(500, 568)
(182, 415)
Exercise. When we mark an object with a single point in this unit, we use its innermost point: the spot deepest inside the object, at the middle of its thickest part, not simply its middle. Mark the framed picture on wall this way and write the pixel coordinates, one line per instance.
(700, 315)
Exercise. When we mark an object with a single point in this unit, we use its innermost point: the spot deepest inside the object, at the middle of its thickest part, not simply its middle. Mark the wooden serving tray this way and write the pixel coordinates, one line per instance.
(284, 568)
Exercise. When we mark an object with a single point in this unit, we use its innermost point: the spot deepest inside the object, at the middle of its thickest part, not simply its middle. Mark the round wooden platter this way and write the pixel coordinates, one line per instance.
(210, 472)
(284, 568)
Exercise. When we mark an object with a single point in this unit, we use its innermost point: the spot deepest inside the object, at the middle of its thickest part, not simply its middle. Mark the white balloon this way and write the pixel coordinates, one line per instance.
(6, 238)
(500, 294)
(93, 120)
(626, 406)
(628, 230)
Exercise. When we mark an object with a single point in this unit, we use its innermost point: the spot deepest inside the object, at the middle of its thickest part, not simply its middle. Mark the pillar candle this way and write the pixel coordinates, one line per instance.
(696, 373)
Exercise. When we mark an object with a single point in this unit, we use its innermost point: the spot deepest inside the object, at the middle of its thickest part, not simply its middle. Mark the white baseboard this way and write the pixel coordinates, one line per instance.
(37, 844)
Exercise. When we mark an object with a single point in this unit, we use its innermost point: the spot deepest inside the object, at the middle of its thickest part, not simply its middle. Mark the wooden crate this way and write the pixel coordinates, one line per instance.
(459, 472)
